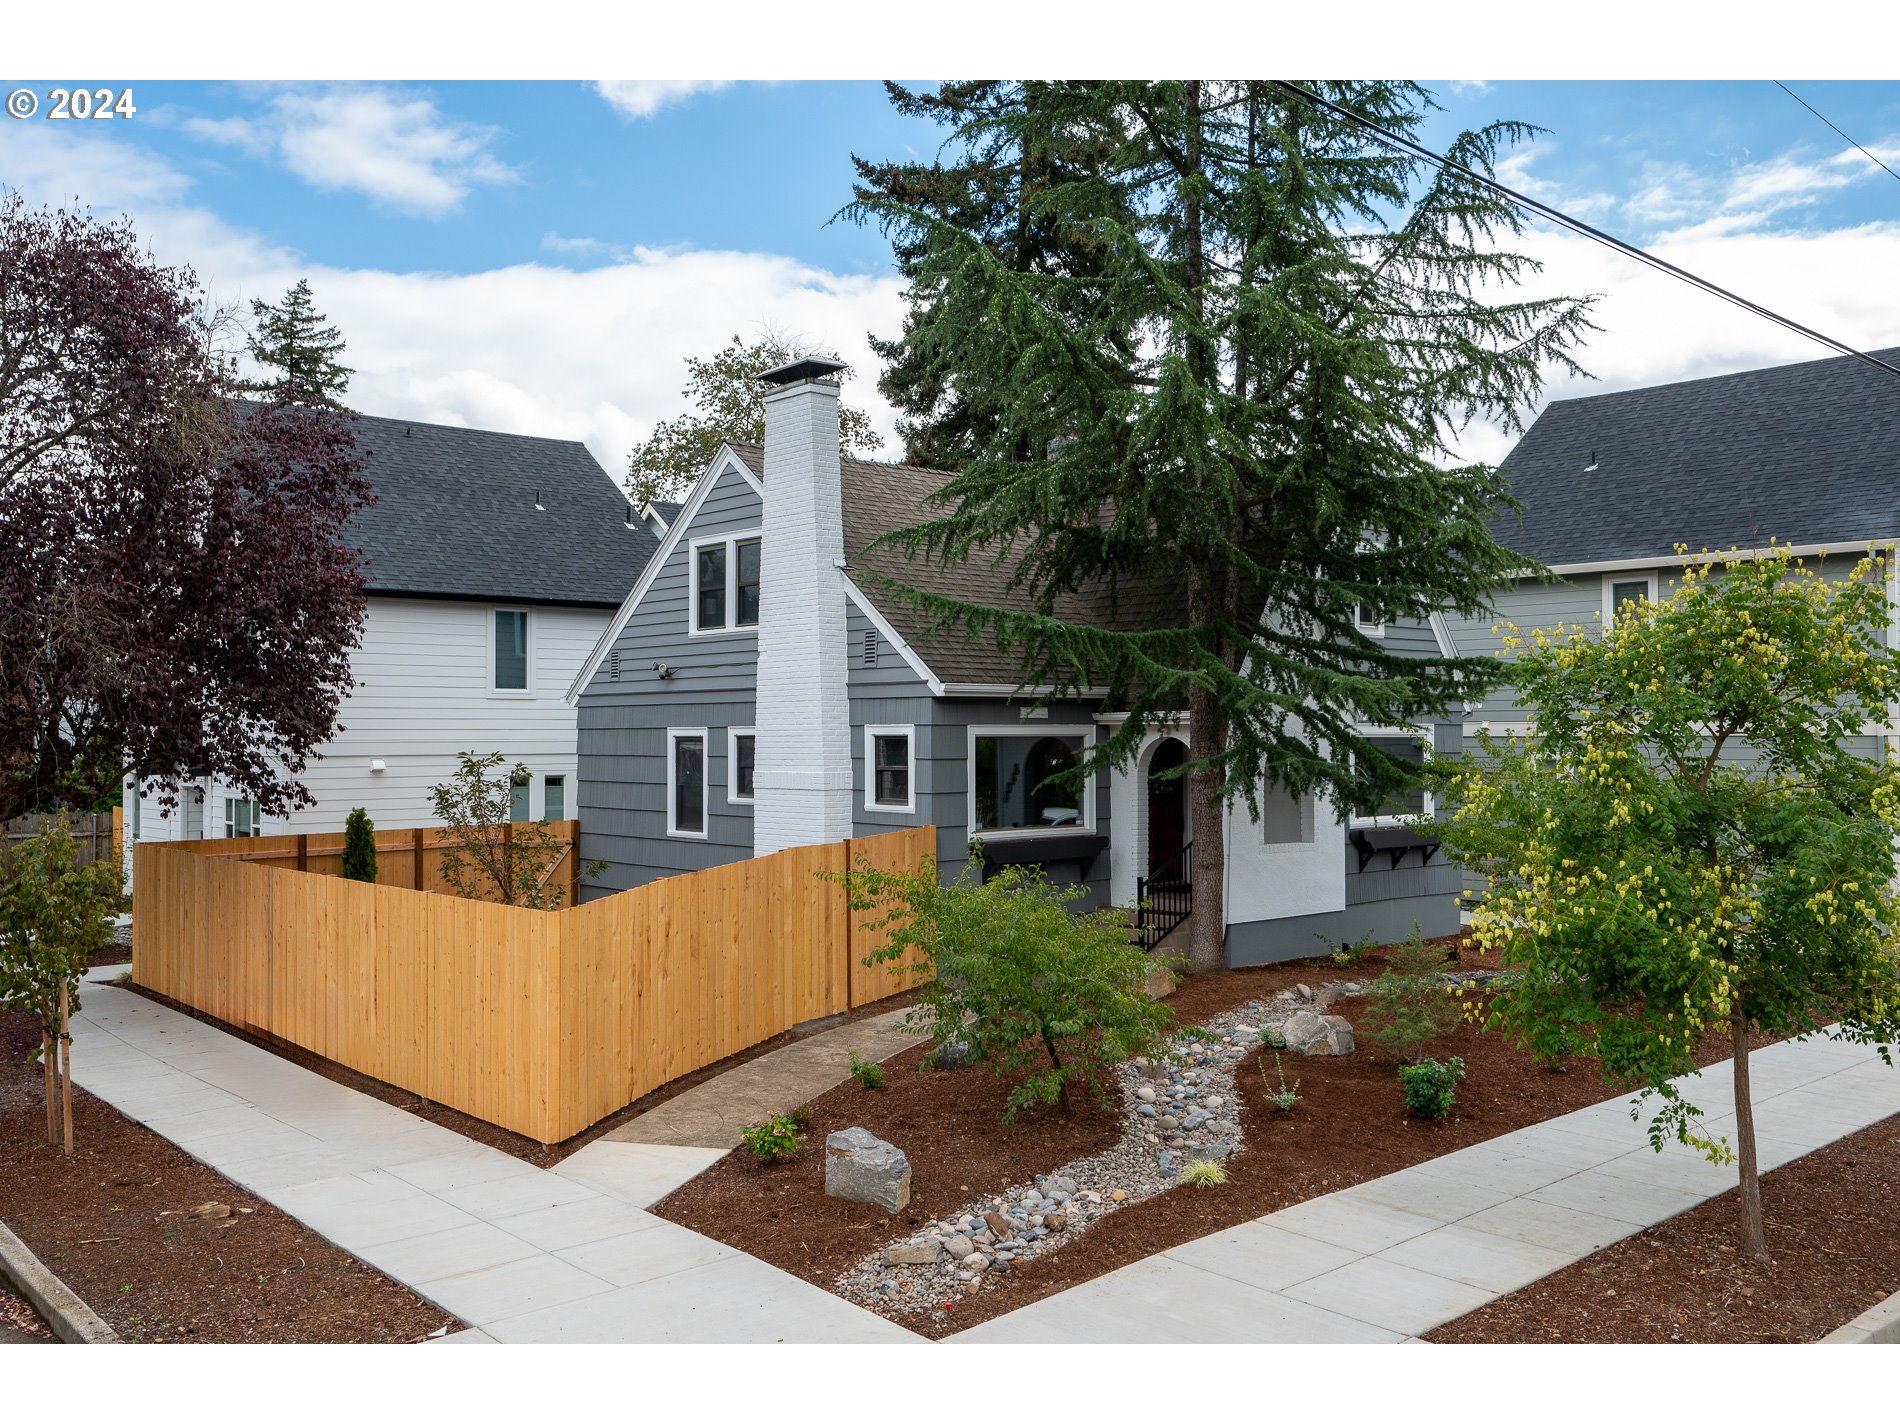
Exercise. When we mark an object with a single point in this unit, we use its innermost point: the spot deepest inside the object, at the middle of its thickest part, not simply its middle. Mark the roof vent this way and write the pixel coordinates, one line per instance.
(1592, 465)
(805, 368)
(537, 502)
(630, 515)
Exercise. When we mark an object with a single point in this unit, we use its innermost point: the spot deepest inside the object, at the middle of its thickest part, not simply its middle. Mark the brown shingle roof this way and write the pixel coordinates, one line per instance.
(881, 498)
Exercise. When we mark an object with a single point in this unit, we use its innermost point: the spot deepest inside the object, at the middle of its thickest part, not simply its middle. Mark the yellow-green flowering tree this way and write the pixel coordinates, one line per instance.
(1685, 842)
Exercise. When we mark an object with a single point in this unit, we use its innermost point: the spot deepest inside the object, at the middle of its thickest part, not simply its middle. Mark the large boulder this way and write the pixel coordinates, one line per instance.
(1317, 1034)
(862, 1167)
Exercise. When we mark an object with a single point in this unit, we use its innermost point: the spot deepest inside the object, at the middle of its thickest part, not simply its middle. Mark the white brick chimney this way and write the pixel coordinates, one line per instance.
(802, 777)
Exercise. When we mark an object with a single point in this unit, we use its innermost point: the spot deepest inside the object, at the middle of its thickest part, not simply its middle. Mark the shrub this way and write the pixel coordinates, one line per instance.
(1203, 1173)
(801, 1117)
(1430, 1087)
(1411, 1003)
(1349, 955)
(868, 1072)
(1285, 1098)
(1032, 988)
(773, 1139)
(359, 846)
(1273, 1039)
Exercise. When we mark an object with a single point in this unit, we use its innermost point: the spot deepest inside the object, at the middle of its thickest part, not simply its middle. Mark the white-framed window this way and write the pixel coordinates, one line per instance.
(518, 788)
(724, 570)
(1368, 622)
(510, 653)
(686, 782)
(742, 756)
(554, 798)
(1414, 745)
(1010, 791)
(1620, 589)
(890, 768)
(242, 818)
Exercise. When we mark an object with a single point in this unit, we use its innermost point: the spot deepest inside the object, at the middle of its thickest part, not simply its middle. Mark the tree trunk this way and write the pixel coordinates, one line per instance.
(49, 1068)
(1062, 1085)
(66, 1069)
(1754, 1242)
(1207, 940)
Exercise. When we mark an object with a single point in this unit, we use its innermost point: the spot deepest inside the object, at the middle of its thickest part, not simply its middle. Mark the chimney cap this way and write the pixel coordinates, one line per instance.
(805, 368)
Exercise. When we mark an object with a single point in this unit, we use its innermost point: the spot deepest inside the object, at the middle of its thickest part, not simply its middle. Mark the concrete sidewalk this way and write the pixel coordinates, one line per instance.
(518, 1252)
(710, 1115)
(1393, 1258)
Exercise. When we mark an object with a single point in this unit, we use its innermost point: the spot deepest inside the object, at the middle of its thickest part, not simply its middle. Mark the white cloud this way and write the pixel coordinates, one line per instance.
(642, 98)
(396, 147)
(594, 355)
(1470, 88)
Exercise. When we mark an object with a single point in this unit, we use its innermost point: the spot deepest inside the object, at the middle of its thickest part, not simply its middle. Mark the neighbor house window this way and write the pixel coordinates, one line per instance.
(242, 818)
(554, 798)
(1010, 780)
(890, 768)
(742, 751)
(1622, 589)
(1368, 620)
(1409, 746)
(725, 583)
(518, 798)
(686, 781)
(511, 650)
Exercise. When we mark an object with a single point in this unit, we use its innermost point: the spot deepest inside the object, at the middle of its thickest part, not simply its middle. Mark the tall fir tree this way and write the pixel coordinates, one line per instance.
(1223, 396)
(298, 351)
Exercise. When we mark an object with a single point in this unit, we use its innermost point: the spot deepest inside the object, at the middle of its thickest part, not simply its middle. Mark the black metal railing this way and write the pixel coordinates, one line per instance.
(1164, 897)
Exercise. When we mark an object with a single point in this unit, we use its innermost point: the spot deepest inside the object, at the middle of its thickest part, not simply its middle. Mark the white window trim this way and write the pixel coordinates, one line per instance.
(907, 731)
(1370, 630)
(529, 622)
(1425, 736)
(732, 542)
(562, 778)
(1610, 581)
(1085, 731)
(733, 734)
(673, 736)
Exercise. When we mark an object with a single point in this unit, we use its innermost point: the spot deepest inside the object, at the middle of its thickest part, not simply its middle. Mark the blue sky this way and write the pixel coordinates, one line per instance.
(540, 256)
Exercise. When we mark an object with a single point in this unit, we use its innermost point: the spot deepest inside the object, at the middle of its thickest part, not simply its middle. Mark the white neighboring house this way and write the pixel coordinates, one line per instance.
(493, 564)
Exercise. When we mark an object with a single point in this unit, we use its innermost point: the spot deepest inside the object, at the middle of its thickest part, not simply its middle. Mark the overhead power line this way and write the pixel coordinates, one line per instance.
(1578, 226)
(1832, 125)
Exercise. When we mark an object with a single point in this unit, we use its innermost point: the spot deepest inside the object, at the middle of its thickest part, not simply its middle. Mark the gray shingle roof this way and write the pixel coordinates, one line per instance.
(455, 516)
(880, 498)
(1807, 454)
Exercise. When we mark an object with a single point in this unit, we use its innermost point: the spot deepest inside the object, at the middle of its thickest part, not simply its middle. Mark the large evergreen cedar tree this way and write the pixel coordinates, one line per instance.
(176, 593)
(298, 350)
(1199, 351)
(726, 403)
(1687, 844)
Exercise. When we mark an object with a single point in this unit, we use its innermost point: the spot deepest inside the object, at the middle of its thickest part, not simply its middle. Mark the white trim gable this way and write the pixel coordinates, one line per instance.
(891, 636)
(724, 460)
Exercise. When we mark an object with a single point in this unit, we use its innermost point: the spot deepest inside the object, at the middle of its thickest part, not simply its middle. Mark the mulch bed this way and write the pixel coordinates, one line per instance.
(1350, 1127)
(112, 1222)
(1833, 1238)
(541, 1155)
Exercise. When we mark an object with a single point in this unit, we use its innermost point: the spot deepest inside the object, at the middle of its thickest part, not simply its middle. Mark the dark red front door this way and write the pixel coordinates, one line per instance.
(1167, 805)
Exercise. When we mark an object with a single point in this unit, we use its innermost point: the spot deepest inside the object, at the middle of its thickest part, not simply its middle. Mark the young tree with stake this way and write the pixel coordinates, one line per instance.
(1218, 392)
(1685, 844)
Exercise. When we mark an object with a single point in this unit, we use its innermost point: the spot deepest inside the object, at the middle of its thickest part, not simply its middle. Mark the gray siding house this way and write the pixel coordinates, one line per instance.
(755, 691)
(1806, 455)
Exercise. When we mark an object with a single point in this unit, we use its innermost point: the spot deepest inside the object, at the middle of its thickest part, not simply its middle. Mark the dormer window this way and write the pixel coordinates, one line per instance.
(725, 572)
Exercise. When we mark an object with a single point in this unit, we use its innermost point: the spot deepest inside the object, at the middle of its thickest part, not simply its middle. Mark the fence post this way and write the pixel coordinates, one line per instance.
(574, 870)
(418, 876)
(508, 860)
(303, 851)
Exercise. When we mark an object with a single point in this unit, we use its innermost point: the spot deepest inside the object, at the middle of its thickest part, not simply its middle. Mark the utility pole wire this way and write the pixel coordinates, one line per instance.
(1578, 226)
(1832, 125)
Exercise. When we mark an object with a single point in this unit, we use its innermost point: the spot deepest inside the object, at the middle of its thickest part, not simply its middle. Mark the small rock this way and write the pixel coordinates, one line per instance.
(1168, 1121)
(976, 1262)
(1118, 1195)
(1145, 1093)
(1303, 991)
(912, 1254)
(952, 1054)
(1056, 1221)
(998, 1224)
(1312, 1034)
(209, 1211)
(959, 1246)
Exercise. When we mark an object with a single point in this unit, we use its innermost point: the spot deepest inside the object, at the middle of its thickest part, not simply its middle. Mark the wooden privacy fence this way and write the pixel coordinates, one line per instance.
(543, 1022)
(97, 833)
(411, 857)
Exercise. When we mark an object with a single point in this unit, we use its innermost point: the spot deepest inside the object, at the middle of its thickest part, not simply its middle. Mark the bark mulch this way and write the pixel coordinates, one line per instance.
(541, 1155)
(1349, 1127)
(114, 1222)
(1833, 1242)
